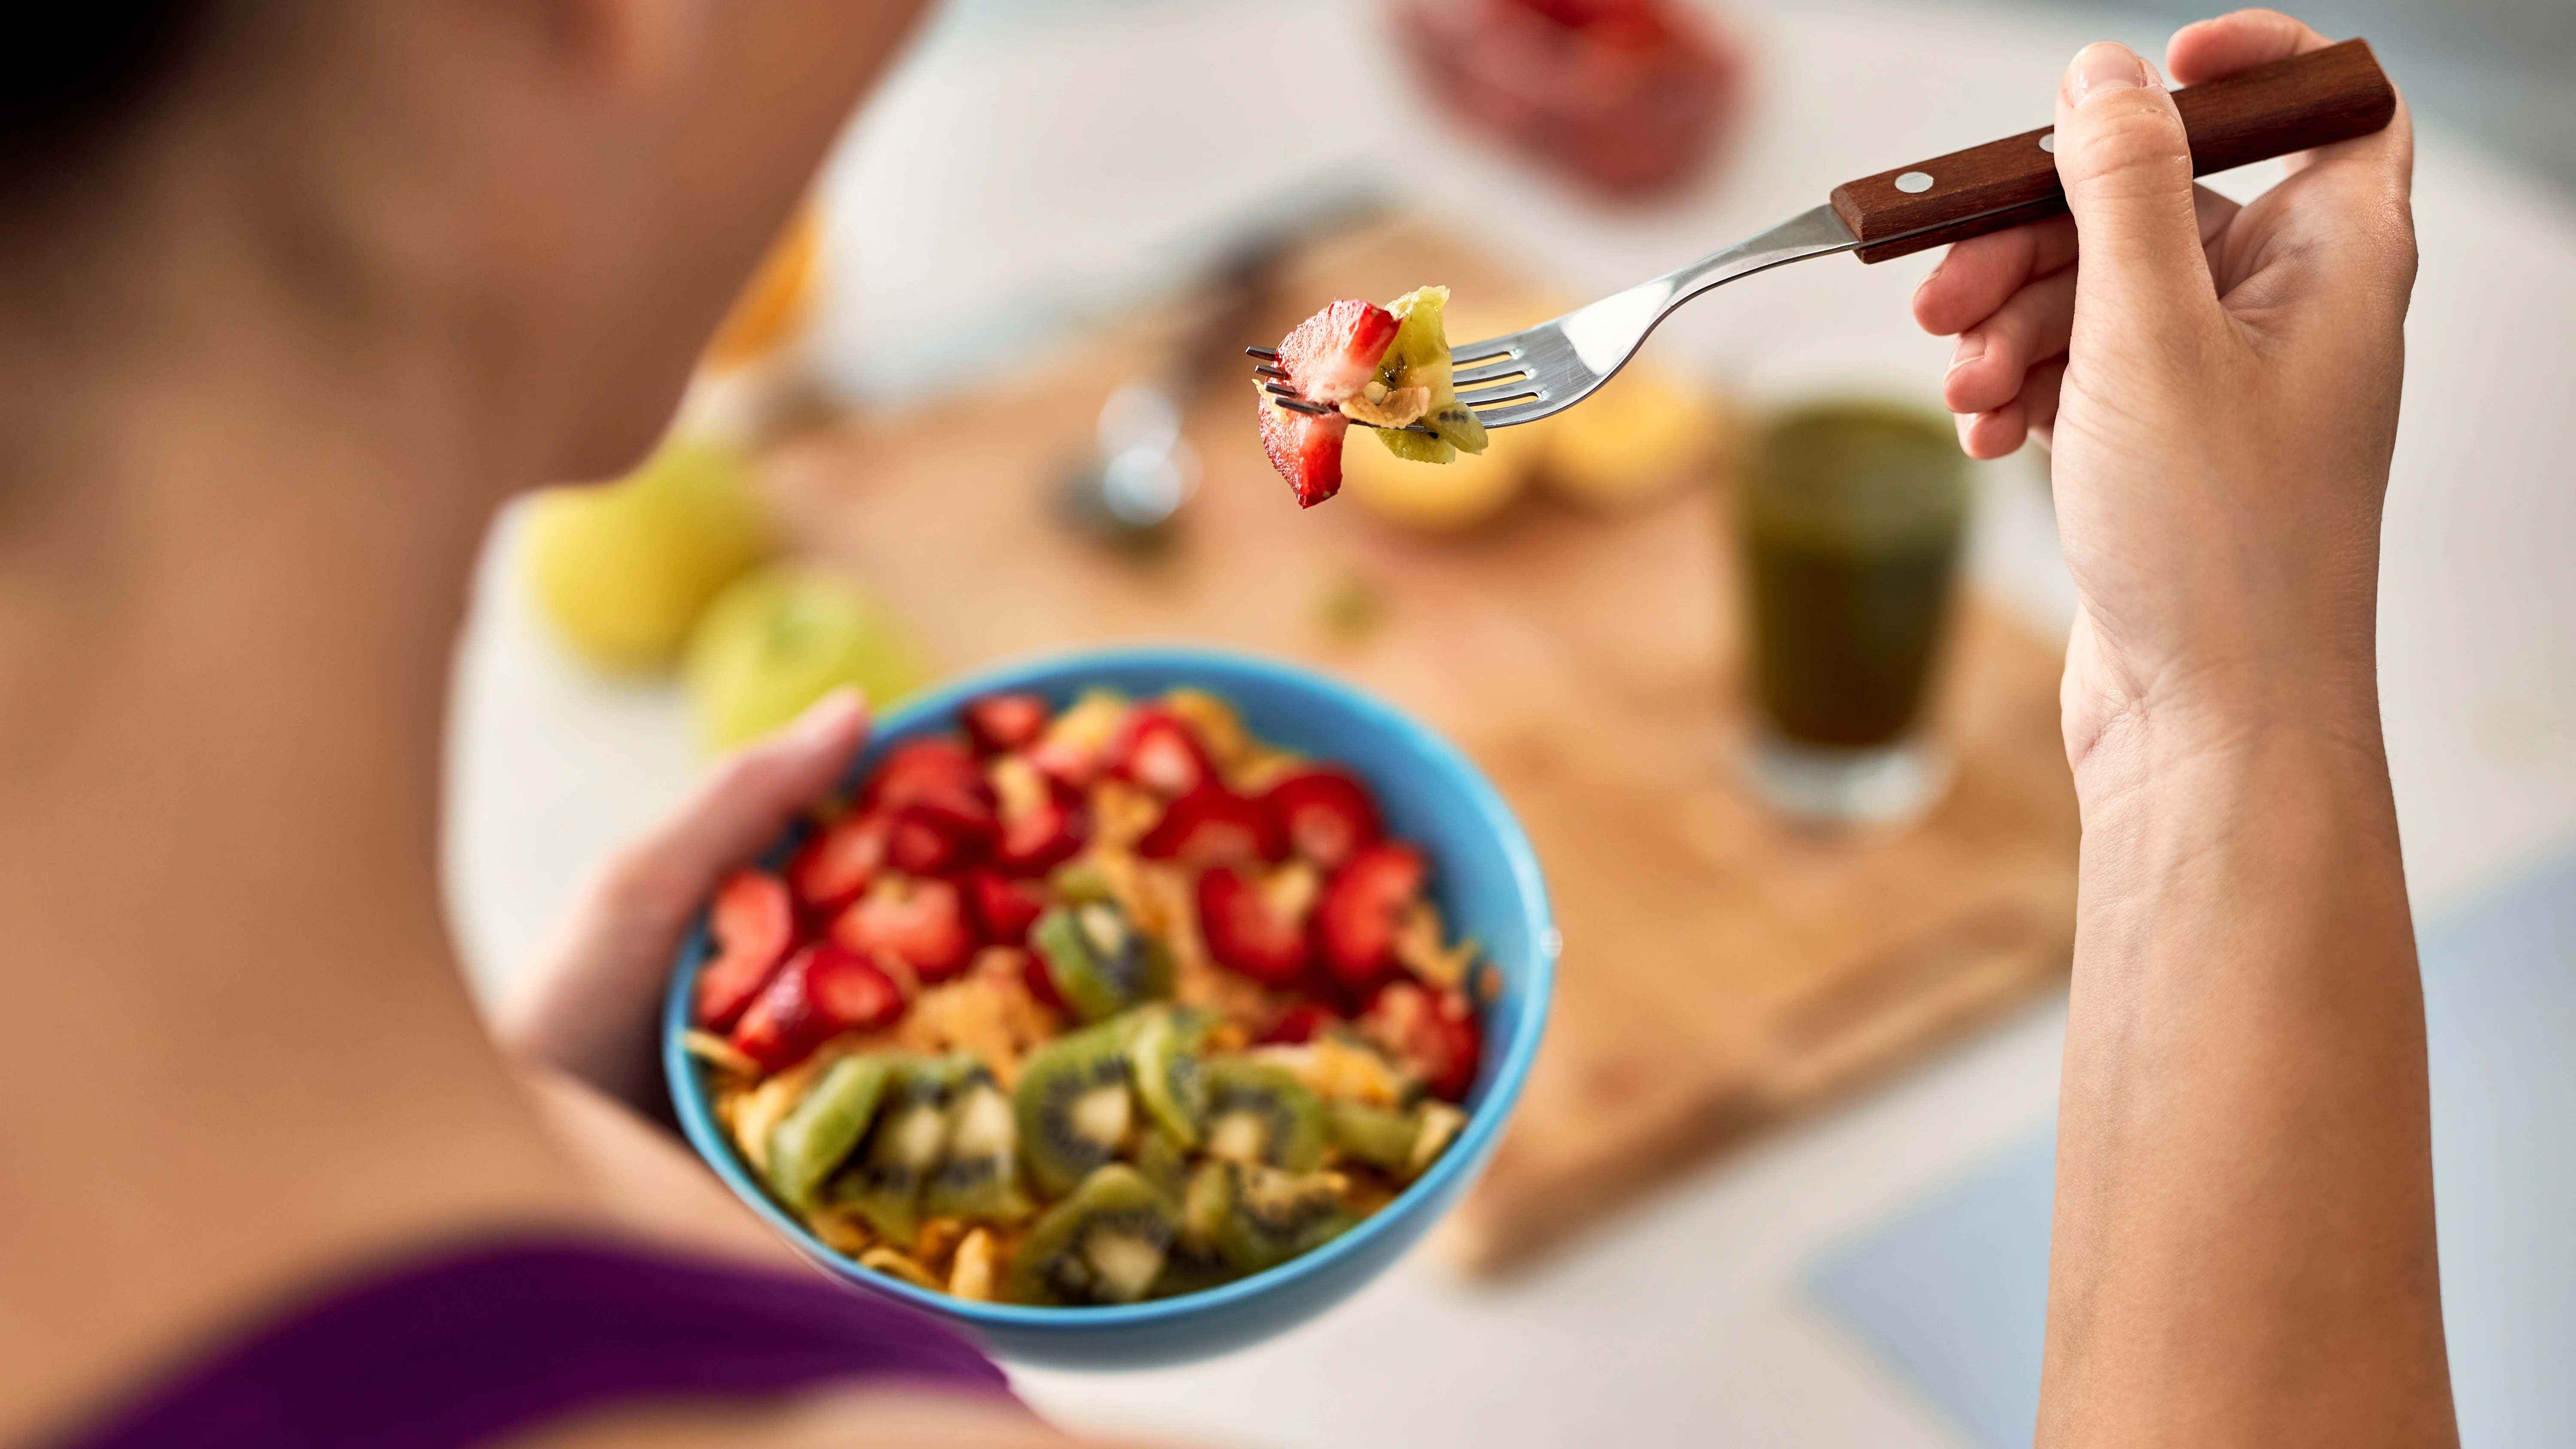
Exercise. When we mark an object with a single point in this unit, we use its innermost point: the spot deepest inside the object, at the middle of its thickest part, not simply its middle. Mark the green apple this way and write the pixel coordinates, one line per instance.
(783, 636)
(623, 569)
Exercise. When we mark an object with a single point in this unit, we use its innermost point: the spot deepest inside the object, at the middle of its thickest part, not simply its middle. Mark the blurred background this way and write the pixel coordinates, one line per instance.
(987, 398)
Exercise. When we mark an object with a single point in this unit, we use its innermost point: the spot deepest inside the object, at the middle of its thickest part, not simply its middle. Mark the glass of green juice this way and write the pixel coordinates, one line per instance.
(1851, 513)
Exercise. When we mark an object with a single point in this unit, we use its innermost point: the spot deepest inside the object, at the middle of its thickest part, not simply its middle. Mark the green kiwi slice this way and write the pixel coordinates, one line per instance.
(1400, 1144)
(910, 1137)
(1075, 1107)
(820, 1132)
(1164, 1163)
(979, 1178)
(1161, 1057)
(1195, 1262)
(1099, 963)
(1259, 1113)
(1104, 1244)
(1263, 1216)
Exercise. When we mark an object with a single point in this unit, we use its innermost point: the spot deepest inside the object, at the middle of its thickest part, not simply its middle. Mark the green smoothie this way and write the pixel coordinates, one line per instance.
(1852, 515)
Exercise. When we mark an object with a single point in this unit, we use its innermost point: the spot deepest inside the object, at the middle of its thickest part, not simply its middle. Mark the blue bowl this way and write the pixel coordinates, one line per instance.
(1484, 876)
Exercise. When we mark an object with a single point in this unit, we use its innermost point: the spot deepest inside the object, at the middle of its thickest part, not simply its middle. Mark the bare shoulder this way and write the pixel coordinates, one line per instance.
(860, 1419)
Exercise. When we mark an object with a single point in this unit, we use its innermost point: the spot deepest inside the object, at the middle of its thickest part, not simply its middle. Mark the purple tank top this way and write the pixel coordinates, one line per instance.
(473, 1345)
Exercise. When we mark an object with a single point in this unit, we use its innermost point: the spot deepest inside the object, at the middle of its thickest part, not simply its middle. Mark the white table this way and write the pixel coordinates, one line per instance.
(1127, 137)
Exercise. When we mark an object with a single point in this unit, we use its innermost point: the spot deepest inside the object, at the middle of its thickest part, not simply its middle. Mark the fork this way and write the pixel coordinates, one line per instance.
(2327, 95)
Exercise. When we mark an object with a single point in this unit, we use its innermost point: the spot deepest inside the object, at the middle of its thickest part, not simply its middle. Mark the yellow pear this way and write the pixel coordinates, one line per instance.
(783, 636)
(623, 569)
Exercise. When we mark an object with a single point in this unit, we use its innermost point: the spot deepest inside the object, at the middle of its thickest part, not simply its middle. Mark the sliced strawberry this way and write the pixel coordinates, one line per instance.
(821, 992)
(852, 993)
(1334, 354)
(1044, 820)
(940, 780)
(920, 923)
(923, 841)
(997, 723)
(1005, 907)
(1212, 824)
(1324, 814)
(1299, 1025)
(1306, 449)
(835, 866)
(1260, 932)
(754, 923)
(1161, 751)
(1433, 1032)
(1361, 910)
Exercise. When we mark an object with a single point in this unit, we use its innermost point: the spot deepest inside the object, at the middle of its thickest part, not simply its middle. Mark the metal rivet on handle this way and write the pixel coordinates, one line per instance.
(2048, 143)
(1914, 181)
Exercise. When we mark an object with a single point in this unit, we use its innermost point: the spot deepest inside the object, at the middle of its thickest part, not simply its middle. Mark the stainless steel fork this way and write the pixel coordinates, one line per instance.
(2328, 95)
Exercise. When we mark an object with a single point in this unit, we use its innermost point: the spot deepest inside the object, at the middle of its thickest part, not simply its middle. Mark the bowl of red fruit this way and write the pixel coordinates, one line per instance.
(1126, 1006)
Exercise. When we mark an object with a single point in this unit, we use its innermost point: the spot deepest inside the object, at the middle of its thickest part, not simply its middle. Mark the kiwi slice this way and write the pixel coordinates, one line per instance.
(1075, 1107)
(1262, 1216)
(1259, 1113)
(911, 1134)
(979, 1178)
(1419, 357)
(1400, 1144)
(1104, 1244)
(1161, 1056)
(822, 1130)
(1098, 961)
(1164, 1163)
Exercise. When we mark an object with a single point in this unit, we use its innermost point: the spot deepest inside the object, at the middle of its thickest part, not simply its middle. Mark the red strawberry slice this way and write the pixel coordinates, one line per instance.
(1333, 354)
(821, 992)
(1006, 908)
(1251, 930)
(1434, 1033)
(920, 923)
(1044, 831)
(1299, 1025)
(833, 868)
(940, 780)
(923, 841)
(1361, 909)
(1161, 751)
(754, 923)
(998, 723)
(1324, 814)
(1306, 449)
(1212, 824)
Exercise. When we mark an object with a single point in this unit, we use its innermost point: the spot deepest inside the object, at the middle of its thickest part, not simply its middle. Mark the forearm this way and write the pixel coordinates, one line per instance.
(2244, 1248)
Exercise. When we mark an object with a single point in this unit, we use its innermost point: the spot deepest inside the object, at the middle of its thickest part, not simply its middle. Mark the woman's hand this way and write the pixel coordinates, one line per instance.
(2243, 1248)
(591, 1007)
(2219, 386)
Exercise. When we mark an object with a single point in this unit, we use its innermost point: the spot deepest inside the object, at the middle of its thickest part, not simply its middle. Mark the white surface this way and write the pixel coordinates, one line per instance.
(1020, 179)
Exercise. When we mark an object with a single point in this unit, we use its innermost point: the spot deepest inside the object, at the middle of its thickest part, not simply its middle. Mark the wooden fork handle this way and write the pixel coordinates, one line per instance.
(2291, 105)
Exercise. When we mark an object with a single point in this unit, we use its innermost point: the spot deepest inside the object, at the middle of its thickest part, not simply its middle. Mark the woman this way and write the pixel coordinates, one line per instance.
(295, 291)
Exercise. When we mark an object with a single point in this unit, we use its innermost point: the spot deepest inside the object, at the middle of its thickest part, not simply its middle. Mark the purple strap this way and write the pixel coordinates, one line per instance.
(465, 1348)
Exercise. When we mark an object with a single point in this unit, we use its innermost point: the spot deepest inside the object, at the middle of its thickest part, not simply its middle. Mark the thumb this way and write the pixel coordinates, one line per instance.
(2126, 166)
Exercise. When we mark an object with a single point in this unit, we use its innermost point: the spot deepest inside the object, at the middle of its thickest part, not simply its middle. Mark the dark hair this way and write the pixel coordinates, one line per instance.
(76, 74)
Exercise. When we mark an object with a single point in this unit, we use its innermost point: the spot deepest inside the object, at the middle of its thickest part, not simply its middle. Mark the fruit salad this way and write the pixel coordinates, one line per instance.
(1086, 1006)
(1386, 368)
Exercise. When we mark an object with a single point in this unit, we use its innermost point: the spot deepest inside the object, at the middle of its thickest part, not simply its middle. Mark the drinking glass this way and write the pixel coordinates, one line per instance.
(1852, 511)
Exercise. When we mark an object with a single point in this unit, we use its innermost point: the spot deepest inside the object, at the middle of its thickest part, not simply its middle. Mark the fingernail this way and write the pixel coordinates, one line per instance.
(2103, 66)
(1972, 345)
(830, 714)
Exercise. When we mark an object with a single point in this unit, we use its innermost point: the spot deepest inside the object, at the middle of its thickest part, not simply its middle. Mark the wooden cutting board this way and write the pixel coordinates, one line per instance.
(1723, 969)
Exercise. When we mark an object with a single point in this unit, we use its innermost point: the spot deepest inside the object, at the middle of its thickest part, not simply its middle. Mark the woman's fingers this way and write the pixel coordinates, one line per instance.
(1981, 273)
(739, 809)
(1987, 367)
(2039, 398)
(2206, 50)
